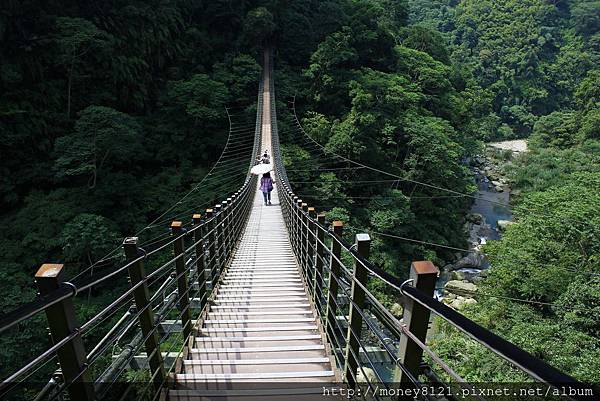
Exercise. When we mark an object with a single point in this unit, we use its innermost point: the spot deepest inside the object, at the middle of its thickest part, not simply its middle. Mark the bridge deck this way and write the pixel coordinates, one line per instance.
(260, 328)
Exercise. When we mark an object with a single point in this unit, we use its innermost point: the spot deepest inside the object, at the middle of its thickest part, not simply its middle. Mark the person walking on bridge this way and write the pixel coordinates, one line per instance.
(265, 158)
(266, 186)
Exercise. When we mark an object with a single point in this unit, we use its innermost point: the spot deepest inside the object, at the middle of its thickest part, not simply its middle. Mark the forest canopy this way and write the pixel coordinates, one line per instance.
(110, 111)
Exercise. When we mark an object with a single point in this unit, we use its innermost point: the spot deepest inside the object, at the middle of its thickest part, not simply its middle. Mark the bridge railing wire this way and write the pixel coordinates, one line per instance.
(357, 324)
(207, 245)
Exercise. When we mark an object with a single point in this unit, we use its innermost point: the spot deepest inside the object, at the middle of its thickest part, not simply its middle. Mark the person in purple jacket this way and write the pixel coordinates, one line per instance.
(266, 186)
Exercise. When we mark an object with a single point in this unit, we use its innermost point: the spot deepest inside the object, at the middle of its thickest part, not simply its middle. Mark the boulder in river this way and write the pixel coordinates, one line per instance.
(472, 260)
(503, 224)
(461, 287)
(465, 275)
(371, 376)
(475, 218)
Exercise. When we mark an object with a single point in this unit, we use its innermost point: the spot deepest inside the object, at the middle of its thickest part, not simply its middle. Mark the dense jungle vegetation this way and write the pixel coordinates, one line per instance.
(110, 110)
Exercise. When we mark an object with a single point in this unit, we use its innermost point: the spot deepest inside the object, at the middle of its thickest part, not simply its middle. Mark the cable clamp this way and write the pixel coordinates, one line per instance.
(142, 250)
(73, 287)
(353, 247)
(410, 280)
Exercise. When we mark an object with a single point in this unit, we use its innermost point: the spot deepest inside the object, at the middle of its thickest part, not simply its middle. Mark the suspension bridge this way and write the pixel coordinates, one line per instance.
(246, 301)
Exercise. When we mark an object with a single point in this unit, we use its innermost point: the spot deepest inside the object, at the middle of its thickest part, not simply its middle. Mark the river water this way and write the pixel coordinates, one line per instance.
(490, 205)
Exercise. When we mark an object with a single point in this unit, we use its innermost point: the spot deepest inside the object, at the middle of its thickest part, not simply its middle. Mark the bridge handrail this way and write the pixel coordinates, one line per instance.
(71, 289)
(306, 231)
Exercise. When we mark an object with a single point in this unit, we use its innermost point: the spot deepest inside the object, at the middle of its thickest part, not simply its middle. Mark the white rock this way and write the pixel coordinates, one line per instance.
(461, 287)
(503, 224)
(370, 374)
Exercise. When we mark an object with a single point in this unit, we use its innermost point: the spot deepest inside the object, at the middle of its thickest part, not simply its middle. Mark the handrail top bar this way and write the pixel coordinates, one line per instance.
(25, 311)
(530, 364)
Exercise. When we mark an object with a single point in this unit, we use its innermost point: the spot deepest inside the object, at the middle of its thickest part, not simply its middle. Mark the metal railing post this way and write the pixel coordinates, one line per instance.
(141, 295)
(357, 295)
(235, 216)
(62, 323)
(332, 290)
(298, 211)
(219, 241)
(196, 219)
(212, 259)
(226, 228)
(304, 240)
(182, 278)
(232, 223)
(416, 319)
(311, 239)
(294, 231)
(319, 262)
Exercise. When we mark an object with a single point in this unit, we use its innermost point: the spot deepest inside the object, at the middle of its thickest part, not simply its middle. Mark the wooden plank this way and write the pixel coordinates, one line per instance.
(277, 361)
(259, 376)
(262, 313)
(262, 306)
(263, 338)
(237, 350)
(256, 329)
(235, 321)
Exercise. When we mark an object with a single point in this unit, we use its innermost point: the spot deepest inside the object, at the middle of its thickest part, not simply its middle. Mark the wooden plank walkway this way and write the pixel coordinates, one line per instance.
(260, 328)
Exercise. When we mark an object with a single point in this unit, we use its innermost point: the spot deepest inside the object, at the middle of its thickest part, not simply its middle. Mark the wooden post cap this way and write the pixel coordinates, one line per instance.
(196, 216)
(362, 237)
(311, 209)
(338, 223)
(48, 277)
(176, 224)
(425, 267)
(209, 210)
(130, 241)
(49, 270)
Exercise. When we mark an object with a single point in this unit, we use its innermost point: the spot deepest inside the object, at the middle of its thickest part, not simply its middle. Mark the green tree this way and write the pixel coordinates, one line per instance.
(102, 135)
(557, 129)
(259, 25)
(555, 238)
(579, 305)
(75, 38)
(200, 97)
(586, 17)
(88, 237)
(428, 41)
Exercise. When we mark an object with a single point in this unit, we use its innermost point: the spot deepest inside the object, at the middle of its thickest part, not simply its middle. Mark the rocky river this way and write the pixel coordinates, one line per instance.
(488, 217)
